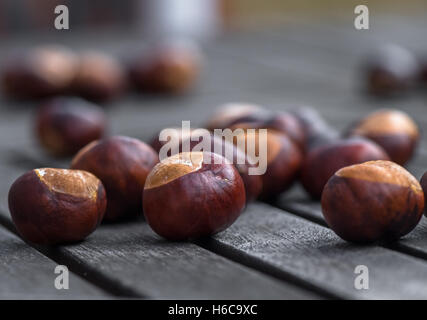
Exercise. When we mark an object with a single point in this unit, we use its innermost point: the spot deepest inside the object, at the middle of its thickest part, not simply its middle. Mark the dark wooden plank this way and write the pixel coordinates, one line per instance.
(291, 246)
(27, 274)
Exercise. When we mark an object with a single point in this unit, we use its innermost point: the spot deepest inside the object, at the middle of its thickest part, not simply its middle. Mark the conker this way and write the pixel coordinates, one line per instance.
(53, 206)
(390, 70)
(230, 113)
(42, 72)
(315, 129)
(64, 125)
(192, 194)
(323, 161)
(283, 160)
(99, 77)
(122, 164)
(393, 130)
(168, 68)
(372, 201)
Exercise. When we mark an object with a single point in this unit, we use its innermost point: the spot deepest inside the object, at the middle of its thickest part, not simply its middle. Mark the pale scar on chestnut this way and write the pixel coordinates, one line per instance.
(173, 168)
(380, 172)
(84, 184)
(387, 121)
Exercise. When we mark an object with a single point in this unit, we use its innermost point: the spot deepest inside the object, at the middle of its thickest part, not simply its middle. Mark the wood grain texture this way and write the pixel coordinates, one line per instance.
(27, 274)
(314, 254)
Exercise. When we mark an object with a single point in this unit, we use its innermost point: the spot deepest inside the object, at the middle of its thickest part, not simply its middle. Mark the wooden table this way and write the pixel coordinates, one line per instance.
(274, 251)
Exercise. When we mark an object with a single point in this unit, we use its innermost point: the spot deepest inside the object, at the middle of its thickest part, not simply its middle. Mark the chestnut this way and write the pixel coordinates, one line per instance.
(323, 161)
(316, 130)
(192, 195)
(372, 201)
(53, 206)
(122, 164)
(42, 72)
(99, 77)
(283, 122)
(390, 70)
(282, 159)
(167, 68)
(393, 130)
(64, 125)
(230, 113)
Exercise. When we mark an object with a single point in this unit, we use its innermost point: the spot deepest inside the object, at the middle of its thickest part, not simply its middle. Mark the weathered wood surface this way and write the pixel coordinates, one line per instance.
(269, 252)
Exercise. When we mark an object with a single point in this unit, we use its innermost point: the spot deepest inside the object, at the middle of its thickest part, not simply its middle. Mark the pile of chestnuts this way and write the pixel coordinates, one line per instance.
(189, 192)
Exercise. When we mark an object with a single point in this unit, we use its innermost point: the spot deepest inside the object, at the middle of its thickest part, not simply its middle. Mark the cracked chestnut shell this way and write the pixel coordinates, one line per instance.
(393, 130)
(168, 68)
(122, 164)
(99, 77)
(390, 70)
(65, 125)
(283, 160)
(53, 206)
(372, 201)
(42, 72)
(193, 194)
(323, 161)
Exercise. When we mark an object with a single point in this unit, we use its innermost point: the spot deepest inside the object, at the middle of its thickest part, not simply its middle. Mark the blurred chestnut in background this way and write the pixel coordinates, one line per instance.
(282, 122)
(64, 125)
(390, 70)
(393, 130)
(99, 77)
(41, 72)
(423, 183)
(283, 159)
(193, 194)
(122, 164)
(170, 68)
(323, 161)
(228, 114)
(315, 129)
(53, 206)
(372, 201)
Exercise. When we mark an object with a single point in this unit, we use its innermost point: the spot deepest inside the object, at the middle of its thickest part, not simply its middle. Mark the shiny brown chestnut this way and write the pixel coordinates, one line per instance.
(53, 206)
(323, 161)
(283, 159)
(168, 68)
(393, 130)
(228, 114)
(42, 72)
(122, 164)
(191, 195)
(219, 145)
(64, 125)
(99, 77)
(372, 201)
(390, 70)
(316, 129)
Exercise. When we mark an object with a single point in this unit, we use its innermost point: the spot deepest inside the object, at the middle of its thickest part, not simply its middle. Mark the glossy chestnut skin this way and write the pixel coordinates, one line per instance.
(168, 68)
(372, 201)
(282, 122)
(231, 113)
(393, 130)
(42, 72)
(99, 77)
(122, 164)
(390, 70)
(192, 195)
(283, 161)
(54, 206)
(315, 129)
(323, 161)
(64, 125)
